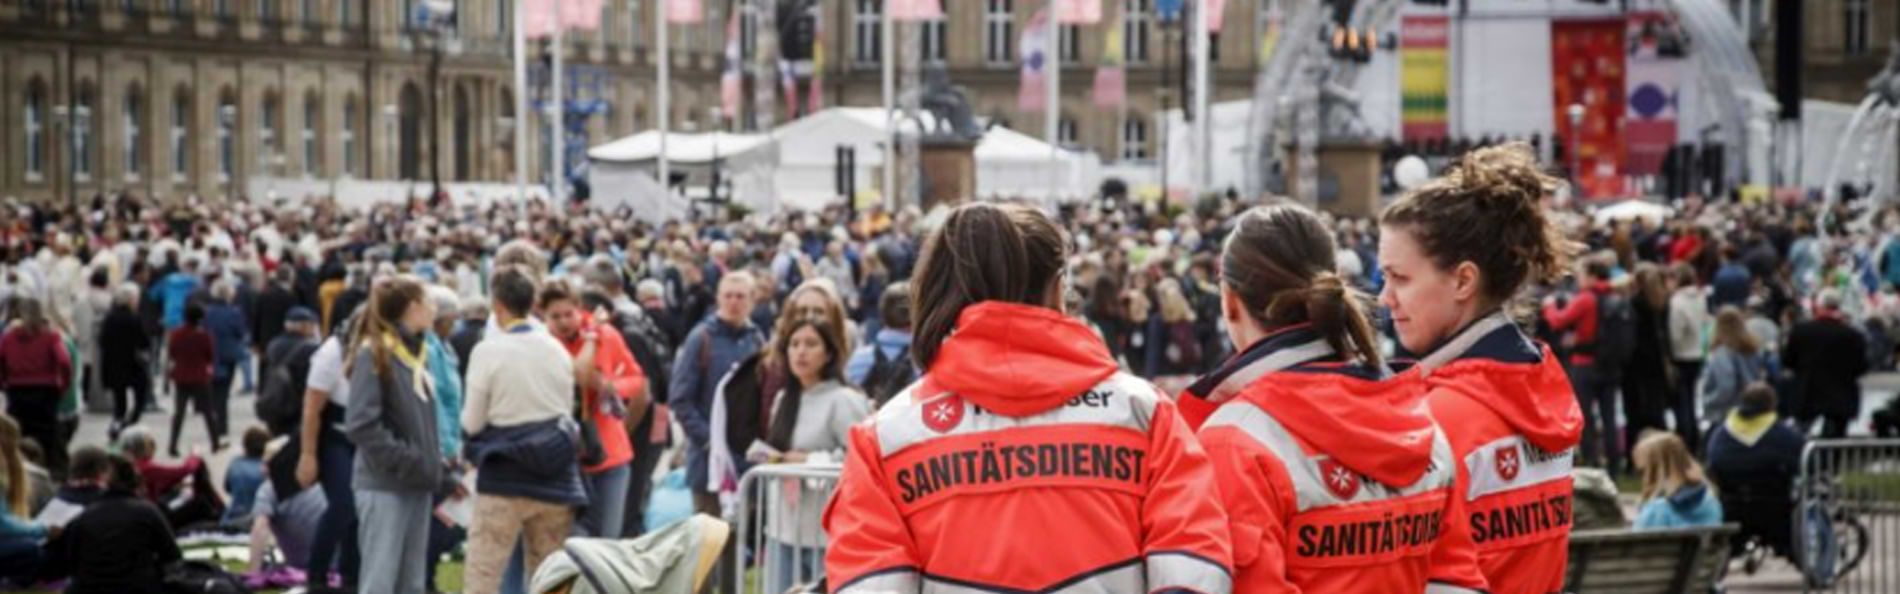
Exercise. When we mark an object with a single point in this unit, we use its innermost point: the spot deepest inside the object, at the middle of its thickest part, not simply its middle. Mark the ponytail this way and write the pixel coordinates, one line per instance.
(1280, 262)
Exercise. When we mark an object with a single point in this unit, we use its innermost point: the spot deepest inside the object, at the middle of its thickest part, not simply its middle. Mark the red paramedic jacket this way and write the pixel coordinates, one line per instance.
(1334, 477)
(1023, 460)
(1516, 431)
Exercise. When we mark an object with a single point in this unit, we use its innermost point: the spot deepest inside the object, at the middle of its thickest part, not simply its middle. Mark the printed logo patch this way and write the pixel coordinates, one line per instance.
(944, 413)
(1508, 462)
(1341, 481)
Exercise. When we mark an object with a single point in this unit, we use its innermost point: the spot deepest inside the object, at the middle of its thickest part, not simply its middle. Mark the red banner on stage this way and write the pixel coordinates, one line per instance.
(1587, 70)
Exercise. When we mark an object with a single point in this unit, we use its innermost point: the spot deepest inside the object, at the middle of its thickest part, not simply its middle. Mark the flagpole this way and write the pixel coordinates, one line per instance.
(1202, 119)
(559, 124)
(664, 113)
(521, 102)
(1052, 106)
(890, 114)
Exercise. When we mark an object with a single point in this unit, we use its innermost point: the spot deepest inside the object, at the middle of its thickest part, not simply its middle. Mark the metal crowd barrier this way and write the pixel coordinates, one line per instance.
(1847, 516)
(776, 525)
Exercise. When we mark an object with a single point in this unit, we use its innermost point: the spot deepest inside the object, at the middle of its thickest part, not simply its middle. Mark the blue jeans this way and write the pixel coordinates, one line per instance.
(337, 532)
(395, 534)
(792, 565)
(607, 503)
(514, 578)
(244, 368)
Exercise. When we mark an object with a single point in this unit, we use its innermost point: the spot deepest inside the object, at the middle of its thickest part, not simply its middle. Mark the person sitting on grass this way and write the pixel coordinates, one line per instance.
(85, 483)
(20, 538)
(242, 478)
(119, 545)
(183, 490)
(1675, 492)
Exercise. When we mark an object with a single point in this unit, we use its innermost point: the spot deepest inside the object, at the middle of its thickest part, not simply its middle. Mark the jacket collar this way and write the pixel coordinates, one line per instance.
(1285, 348)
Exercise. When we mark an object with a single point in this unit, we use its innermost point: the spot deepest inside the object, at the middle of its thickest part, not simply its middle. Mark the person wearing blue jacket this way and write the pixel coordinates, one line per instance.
(173, 291)
(710, 349)
(230, 342)
(1676, 494)
(892, 340)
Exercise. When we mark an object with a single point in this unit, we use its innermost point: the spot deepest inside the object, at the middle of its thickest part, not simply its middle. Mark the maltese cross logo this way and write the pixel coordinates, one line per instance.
(1342, 481)
(1508, 462)
(943, 414)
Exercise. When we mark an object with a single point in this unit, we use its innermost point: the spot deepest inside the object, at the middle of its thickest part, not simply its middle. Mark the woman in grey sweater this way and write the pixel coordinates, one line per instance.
(811, 421)
(392, 421)
(1735, 361)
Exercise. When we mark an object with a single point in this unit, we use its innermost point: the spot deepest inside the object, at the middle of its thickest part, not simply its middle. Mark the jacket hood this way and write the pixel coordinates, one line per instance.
(1378, 427)
(1018, 360)
(1535, 398)
(1688, 498)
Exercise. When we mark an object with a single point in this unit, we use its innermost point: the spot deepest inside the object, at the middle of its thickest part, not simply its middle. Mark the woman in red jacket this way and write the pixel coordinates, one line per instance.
(34, 371)
(1023, 459)
(1454, 252)
(1334, 477)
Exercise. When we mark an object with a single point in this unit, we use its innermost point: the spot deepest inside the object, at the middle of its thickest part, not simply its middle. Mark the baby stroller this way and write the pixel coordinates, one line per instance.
(676, 559)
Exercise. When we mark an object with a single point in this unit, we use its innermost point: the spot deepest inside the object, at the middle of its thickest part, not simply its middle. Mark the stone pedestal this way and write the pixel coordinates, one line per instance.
(949, 171)
(1348, 178)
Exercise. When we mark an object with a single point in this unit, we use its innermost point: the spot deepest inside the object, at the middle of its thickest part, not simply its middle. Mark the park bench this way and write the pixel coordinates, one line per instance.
(1621, 561)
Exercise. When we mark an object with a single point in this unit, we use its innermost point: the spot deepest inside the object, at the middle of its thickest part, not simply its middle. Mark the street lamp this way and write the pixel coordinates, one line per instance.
(715, 115)
(1575, 113)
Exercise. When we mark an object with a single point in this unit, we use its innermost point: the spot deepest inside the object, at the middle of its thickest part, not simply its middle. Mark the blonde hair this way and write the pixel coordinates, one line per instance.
(1666, 465)
(1174, 303)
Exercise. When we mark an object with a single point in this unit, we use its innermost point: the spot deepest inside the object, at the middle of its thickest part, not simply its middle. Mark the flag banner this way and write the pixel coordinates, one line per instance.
(729, 80)
(1033, 49)
(583, 15)
(816, 100)
(1111, 76)
(1168, 10)
(1424, 76)
(1587, 70)
(1216, 14)
(1270, 33)
(538, 19)
(1078, 12)
(788, 84)
(683, 12)
(915, 10)
(1655, 67)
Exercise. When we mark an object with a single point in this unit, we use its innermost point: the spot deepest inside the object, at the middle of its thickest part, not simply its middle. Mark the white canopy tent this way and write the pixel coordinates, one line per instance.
(623, 172)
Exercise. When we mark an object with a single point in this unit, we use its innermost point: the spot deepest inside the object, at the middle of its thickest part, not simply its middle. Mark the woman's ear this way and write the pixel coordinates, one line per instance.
(1466, 281)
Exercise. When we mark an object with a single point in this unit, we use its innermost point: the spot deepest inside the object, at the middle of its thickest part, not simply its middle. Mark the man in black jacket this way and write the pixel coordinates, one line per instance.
(1827, 356)
(120, 544)
(272, 307)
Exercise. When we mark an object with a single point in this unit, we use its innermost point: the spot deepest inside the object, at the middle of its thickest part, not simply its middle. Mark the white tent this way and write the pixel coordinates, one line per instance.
(625, 172)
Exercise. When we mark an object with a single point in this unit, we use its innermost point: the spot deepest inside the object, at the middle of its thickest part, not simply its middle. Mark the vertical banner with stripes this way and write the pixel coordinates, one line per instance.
(1424, 76)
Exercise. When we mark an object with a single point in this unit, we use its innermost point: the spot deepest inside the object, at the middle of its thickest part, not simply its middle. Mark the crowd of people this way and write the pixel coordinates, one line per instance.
(561, 356)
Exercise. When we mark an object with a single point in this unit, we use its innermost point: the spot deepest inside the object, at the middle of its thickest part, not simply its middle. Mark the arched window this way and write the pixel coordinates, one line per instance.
(347, 133)
(181, 134)
(227, 136)
(268, 126)
(82, 132)
(312, 150)
(1134, 138)
(134, 126)
(464, 134)
(507, 131)
(409, 147)
(35, 128)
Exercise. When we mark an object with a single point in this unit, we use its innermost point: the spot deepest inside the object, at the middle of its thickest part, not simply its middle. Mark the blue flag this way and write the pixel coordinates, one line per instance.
(1168, 10)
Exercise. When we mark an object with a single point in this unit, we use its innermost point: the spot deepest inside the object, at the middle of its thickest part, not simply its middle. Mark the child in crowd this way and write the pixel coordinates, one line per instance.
(1675, 492)
(243, 477)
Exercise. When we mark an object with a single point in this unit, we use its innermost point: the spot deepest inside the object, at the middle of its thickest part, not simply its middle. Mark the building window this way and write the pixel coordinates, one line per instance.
(1071, 44)
(129, 6)
(348, 134)
(867, 26)
(267, 11)
(312, 155)
(82, 134)
(633, 23)
(181, 137)
(1857, 18)
(307, 12)
(267, 129)
(177, 8)
(606, 23)
(1066, 133)
(999, 32)
(221, 8)
(1134, 139)
(134, 140)
(936, 45)
(227, 152)
(343, 13)
(409, 20)
(1136, 16)
(35, 130)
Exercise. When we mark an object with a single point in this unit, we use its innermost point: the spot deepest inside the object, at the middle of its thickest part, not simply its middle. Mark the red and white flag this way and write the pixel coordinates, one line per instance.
(915, 10)
(583, 15)
(1111, 77)
(1078, 12)
(538, 18)
(1034, 50)
(1216, 12)
(683, 12)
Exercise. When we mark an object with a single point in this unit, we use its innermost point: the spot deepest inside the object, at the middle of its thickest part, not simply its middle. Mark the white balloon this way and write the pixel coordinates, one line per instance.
(1411, 171)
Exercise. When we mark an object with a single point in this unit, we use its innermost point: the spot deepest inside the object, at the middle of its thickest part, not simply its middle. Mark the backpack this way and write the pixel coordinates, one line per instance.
(1616, 333)
(888, 375)
(201, 577)
(280, 398)
(650, 349)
